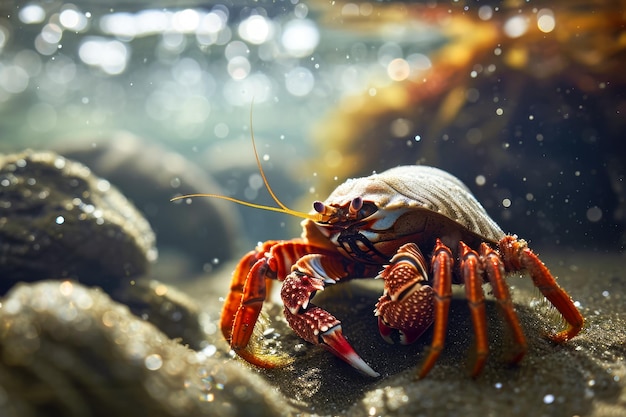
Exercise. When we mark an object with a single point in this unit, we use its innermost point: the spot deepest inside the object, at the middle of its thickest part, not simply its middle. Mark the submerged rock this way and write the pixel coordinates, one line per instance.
(203, 230)
(57, 219)
(172, 311)
(68, 350)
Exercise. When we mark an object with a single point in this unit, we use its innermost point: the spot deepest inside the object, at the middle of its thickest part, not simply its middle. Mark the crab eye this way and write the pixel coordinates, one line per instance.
(367, 209)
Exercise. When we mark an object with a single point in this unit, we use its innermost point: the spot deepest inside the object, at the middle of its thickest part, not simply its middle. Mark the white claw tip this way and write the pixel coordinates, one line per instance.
(359, 364)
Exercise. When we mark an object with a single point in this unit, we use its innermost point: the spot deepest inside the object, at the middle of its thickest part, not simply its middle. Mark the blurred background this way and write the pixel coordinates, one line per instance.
(524, 101)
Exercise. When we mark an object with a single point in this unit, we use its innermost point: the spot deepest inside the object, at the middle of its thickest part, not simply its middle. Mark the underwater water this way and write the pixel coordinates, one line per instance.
(522, 106)
(522, 101)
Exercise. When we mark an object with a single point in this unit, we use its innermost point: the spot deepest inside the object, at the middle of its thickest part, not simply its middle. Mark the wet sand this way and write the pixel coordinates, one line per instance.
(584, 377)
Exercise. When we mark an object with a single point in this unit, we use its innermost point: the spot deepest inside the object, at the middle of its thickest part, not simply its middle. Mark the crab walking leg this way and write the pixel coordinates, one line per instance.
(472, 277)
(517, 253)
(246, 300)
(494, 268)
(233, 301)
(248, 290)
(442, 284)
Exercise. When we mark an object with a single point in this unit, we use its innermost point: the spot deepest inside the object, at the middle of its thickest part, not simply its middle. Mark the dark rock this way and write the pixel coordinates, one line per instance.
(172, 311)
(205, 231)
(57, 219)
(66, 350)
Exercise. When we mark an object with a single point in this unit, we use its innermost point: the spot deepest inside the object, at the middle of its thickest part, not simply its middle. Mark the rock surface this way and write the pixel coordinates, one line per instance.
(57, 219)
(152, 174)
(67, 350)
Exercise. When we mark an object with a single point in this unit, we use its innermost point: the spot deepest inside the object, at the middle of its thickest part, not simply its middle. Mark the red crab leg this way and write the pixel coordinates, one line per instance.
(494, 268)
(472, 277)
(519, 257)
(232, 304)
(442, 284)
(247, 293)
(245, 309)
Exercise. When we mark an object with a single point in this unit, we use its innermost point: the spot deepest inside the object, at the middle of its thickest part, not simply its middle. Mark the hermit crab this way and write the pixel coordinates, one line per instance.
(417, 228)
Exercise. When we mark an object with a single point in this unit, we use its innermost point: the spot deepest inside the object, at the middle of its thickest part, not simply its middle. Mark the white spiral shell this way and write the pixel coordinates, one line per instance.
(421, 187)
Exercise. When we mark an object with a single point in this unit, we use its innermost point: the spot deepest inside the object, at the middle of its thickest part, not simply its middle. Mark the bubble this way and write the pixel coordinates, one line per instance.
(299, 81)
(51, 33)
(255, 29)
(32, 14)
(110, 55)
(594, 214)
(239, 67)
(72, 19)
(398, 69)
(13, 79)
(160, 290)
(480, 180)
(548, 399)
(485, 12)
(516, 26)
(153, 362)
(300, 37)
(221, 130)
(545, 20)
(401, 127)
(235, 49)
(110, 318)
(66, 288)
(255, 181)
(103, 185)
(419, 62)
(186, 20)
(59, 220)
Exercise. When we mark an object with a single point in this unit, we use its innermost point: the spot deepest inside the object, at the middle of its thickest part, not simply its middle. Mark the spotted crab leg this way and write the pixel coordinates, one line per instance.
(310, 322)
(517, 257)
(442, 284)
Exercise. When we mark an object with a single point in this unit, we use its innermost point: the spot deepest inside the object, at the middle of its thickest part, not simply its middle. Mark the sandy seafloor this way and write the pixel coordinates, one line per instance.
(584, 377)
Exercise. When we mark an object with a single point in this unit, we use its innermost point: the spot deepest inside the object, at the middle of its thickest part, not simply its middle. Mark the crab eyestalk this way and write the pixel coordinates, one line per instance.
(325, 211)
(355, 206)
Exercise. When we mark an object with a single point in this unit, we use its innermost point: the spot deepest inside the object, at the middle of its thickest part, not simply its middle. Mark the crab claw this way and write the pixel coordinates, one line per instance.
(411, 316)
(298, 289)
(334, 341)
(407, 303)
(318, 326)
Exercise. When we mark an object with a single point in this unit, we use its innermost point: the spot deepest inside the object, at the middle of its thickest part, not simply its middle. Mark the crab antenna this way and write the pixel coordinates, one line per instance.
(281, 209)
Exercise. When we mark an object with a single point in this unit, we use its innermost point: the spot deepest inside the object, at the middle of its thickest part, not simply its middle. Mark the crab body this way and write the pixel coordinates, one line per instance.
(425, 230)
(416, 204)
